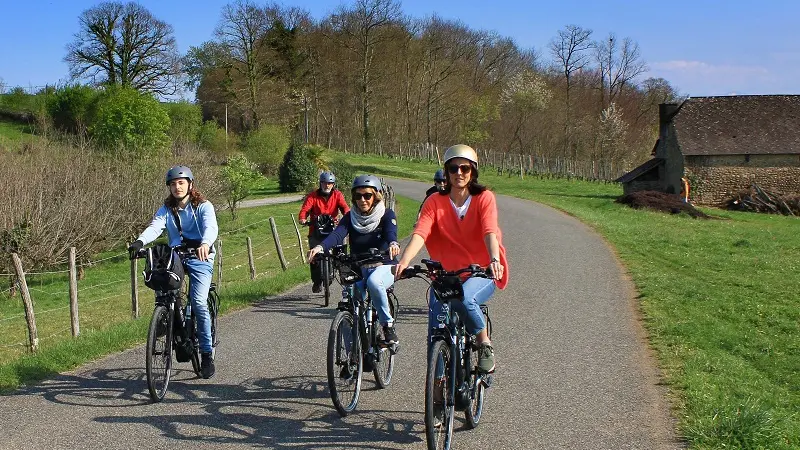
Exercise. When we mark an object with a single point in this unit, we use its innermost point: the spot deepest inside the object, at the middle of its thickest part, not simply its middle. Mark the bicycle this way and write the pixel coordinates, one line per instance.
(452, 357)
(324, 226)
(172, 327)
(355, 340)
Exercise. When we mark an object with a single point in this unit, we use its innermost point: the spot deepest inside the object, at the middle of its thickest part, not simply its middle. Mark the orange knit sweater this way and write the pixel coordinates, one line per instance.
(457, 243)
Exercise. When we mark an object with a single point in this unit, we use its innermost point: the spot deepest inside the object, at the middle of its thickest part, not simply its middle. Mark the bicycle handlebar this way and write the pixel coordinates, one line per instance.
(182, 251)
(433, 270)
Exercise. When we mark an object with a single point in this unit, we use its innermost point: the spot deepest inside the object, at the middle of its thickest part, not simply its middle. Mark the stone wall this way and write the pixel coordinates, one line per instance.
(715, 179)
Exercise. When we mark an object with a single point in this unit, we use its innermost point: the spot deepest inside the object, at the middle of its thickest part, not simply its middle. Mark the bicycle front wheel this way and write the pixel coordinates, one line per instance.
(158, 359)
(345, 365)
(439, 405)
(384, 358)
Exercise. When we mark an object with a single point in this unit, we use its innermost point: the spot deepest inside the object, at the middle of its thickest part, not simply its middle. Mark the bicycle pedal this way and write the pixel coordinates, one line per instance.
(394, 348)
(487, 381)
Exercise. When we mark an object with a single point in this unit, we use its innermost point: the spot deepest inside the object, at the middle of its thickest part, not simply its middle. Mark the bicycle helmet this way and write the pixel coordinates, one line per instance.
(327, 177)
(439, 176)
(179, 172)
(461, 151)
(367, 181)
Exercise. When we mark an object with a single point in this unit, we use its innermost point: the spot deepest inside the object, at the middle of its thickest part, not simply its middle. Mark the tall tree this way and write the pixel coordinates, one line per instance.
(123, 44)
(570, 50)
(362, 27)
(619, 65)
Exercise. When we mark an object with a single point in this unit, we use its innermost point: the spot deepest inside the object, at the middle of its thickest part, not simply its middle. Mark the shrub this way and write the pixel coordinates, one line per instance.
(298, 172)
(211, 138)
(132, 121)
(239, 176)
(266, 147)
(185, 122)
(345, 173)
(71, 108)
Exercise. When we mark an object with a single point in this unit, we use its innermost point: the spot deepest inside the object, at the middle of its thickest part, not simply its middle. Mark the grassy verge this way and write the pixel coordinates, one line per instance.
(718, 297)
(266, 187)
(104, 299)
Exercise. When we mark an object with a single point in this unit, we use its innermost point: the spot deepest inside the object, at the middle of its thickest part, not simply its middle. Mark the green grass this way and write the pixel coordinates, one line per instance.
(13, 134)
(106, 322)
(266, 187)
(719, 299)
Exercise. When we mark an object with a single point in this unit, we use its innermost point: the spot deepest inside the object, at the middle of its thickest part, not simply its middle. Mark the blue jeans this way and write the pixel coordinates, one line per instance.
(477, 291)
(379, 279)
(199, 273)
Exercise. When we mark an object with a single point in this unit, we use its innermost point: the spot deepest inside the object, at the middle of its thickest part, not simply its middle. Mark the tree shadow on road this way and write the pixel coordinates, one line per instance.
(278, 412)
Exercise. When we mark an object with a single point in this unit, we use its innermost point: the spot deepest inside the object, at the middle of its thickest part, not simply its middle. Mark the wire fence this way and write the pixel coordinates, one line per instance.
(109, 292)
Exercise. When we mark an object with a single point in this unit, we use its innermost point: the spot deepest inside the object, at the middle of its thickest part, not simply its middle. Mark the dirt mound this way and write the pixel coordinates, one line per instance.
(659, 201)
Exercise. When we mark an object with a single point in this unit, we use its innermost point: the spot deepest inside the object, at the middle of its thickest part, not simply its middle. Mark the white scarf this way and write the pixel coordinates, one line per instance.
(365, 224)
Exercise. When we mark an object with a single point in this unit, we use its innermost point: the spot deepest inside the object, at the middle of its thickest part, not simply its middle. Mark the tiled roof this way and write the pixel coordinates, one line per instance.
(739, 125)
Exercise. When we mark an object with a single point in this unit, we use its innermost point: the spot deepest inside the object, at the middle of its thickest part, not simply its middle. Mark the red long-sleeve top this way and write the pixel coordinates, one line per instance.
(457, 243)
(316, 204)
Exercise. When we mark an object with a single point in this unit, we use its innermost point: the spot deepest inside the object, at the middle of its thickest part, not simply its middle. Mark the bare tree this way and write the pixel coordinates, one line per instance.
(241, 33)
(362, 24)
(123, 44)
(570, 49)
(619, 66)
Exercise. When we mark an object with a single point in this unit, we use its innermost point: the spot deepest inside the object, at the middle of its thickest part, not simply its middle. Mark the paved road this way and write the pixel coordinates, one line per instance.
(573, 369)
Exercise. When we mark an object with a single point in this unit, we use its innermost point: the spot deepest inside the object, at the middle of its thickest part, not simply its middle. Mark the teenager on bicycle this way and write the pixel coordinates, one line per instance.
(439, 184)
(325, 200)
(189, 219)
(459, 227)
(369, 225)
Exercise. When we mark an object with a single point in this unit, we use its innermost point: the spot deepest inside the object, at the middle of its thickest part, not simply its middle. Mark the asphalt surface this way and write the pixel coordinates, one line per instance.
(573, 369)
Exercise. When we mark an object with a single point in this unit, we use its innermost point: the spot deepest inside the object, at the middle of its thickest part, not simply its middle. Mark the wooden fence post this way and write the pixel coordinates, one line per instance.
(33, 336)
(73, 294)
(219, 262)
(277, 239)
(299, 239)
(134, 289)
(250, 258)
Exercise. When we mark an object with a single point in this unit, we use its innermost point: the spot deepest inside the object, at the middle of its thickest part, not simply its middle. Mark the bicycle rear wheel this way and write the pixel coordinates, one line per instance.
(439, 405)
(477, 395)
(158, 358)
(213, 309)
(345, 364)
(384, 357)
(326, 279)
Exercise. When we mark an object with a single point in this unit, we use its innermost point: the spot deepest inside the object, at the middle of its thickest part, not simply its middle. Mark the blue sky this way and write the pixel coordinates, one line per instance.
(702, 47)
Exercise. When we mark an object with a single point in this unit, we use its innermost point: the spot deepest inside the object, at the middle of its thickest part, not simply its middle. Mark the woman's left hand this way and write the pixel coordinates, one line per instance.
(497, 269)
(394, 250)
(202, 252)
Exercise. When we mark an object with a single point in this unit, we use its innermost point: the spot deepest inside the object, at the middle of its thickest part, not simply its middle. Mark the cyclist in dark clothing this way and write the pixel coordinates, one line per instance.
(439, 183)
(325, 200)
(369, 224)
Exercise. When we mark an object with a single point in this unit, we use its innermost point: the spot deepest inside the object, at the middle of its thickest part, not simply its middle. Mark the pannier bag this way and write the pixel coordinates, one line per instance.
(163, 269)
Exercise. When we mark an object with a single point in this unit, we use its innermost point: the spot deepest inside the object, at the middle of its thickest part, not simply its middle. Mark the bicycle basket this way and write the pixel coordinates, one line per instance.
(448, 288)
(324, 224)
(163, 269)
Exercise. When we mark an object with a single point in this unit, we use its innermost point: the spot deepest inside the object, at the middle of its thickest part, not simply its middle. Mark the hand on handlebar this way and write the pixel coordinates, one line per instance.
(314, 252)
(134, 248)
(497, 269)
(202, 252)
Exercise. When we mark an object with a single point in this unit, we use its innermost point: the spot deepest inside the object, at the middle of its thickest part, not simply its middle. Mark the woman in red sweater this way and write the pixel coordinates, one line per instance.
(459, 227)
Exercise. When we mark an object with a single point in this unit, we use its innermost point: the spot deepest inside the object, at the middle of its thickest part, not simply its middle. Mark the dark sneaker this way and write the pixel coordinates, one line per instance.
(486, 358)
(207, 365)
(389, 335)
(317, 287)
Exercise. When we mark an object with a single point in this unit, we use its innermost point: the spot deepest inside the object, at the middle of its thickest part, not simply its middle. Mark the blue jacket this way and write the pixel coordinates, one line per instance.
(380, 238)
(196, 223)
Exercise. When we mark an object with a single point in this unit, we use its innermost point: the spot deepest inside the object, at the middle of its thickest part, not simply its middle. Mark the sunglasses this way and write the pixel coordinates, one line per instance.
(367, 196)
(454, 168)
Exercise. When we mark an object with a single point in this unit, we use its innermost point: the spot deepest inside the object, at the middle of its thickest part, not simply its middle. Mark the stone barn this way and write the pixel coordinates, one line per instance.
(723, 145)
